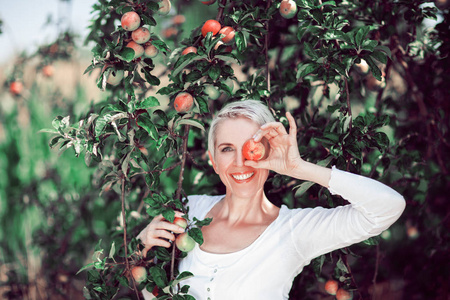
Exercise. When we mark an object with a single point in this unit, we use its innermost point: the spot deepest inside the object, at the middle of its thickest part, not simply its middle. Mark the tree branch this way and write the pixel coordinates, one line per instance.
(180, 189)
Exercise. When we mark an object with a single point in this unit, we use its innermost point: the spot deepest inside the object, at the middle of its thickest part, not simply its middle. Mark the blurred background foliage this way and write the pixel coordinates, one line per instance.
(54, 209)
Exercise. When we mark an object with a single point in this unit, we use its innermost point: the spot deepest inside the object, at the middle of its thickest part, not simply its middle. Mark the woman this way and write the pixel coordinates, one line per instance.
(253, 249)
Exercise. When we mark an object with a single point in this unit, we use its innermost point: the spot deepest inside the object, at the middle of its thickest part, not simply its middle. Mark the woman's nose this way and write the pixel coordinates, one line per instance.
(239, 159)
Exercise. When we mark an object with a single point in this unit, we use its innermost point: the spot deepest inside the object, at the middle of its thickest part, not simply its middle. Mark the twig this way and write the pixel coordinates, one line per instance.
(349, 108)
(222, 5)
(266, 46)
(375, 274)
(125, 231)
(180, 188)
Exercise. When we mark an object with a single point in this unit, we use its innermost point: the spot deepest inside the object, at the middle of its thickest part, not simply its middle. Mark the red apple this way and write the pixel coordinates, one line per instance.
(130, 21)
(164, 7)
(180, 222)
(211, 26)
(331, 286)
(139, 273)
(141, 35)
(190, 49)
(16, 87)
(183, 102)
(48, 70)
(229, 33)
(288, 9)
(253, 151)
(342, 294)
(150, 50)
(184, 242)
(138, 49)
(178, 19)
(208, 2)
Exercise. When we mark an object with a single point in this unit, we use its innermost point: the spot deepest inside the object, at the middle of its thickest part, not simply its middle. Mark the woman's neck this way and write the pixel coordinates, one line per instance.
(237, 209)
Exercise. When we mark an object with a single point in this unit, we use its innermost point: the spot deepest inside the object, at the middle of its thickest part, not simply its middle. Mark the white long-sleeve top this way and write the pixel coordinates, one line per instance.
(266, 268)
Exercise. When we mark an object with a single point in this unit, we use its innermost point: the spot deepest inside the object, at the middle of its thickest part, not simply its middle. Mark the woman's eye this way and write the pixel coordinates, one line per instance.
(226, 149)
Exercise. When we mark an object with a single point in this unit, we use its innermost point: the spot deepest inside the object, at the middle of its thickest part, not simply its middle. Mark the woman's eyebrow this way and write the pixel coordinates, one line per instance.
(224, 144)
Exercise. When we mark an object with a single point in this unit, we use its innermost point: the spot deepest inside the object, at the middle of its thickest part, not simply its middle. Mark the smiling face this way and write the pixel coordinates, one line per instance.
(228, 162)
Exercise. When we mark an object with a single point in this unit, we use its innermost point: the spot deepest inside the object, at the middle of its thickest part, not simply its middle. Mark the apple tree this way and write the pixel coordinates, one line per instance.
(346, 70)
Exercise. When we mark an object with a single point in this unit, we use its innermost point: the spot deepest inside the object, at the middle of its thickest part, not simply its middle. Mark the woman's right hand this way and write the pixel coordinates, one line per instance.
(159, 232)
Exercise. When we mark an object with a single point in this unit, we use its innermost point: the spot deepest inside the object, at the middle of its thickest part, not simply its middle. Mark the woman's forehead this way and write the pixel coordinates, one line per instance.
(235, 128)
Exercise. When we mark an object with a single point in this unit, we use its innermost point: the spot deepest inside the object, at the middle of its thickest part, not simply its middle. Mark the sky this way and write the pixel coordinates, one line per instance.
(24, 23)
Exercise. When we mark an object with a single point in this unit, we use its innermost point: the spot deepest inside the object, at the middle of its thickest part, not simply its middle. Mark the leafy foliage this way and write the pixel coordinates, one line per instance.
(366, 83)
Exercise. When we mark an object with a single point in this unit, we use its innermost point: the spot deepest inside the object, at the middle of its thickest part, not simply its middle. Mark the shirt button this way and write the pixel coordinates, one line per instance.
(209, 298)
(211, 279)
(215, 270)
(208, 289)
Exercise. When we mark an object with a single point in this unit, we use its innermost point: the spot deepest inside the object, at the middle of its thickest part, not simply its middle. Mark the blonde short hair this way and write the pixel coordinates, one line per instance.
(254, 110)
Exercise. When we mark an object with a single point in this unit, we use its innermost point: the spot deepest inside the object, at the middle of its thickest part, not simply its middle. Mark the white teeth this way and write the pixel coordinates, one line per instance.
(243, 177)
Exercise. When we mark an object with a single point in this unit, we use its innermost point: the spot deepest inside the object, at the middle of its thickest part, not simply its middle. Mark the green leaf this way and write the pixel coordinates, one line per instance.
(151, 79)
(196, 234)
(302, 188)
(193, 76)
(385, 50)
(341, 266)
(202, 104)
(361, 34)
(149, 20)
(376, 72)
(127, 54)
(162, 254)
(380, 56)
(214, 72)
(192, 122)
(169, 214)
(309, 50)
(369, 45)
(148, 102)
(112, 251)
(241, 41)
(145, 122)
(85, 267)
(158, 276)
(184, 61)
(305, 69)
(382, 140)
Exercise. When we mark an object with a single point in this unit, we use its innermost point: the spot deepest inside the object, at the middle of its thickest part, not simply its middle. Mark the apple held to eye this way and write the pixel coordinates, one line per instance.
(253, 150)
(184, 242)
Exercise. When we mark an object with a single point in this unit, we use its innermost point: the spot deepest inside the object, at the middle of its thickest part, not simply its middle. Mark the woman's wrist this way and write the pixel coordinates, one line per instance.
(311, 172)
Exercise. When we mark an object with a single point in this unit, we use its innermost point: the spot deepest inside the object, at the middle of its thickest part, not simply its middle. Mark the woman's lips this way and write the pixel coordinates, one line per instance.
(242, 177)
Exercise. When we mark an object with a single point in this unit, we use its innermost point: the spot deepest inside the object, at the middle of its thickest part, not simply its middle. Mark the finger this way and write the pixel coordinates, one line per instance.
(164, 234)
(292, 125)
(162, 243)
(179, 214)
(171, 227)
(257, 165)
(270, 130)
(144, 252)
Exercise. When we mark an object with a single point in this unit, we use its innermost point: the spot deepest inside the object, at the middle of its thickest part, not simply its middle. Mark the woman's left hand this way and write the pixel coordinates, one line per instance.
(284, 156)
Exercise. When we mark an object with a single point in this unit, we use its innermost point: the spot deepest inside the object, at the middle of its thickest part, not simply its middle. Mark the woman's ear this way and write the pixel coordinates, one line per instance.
(212, 161)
